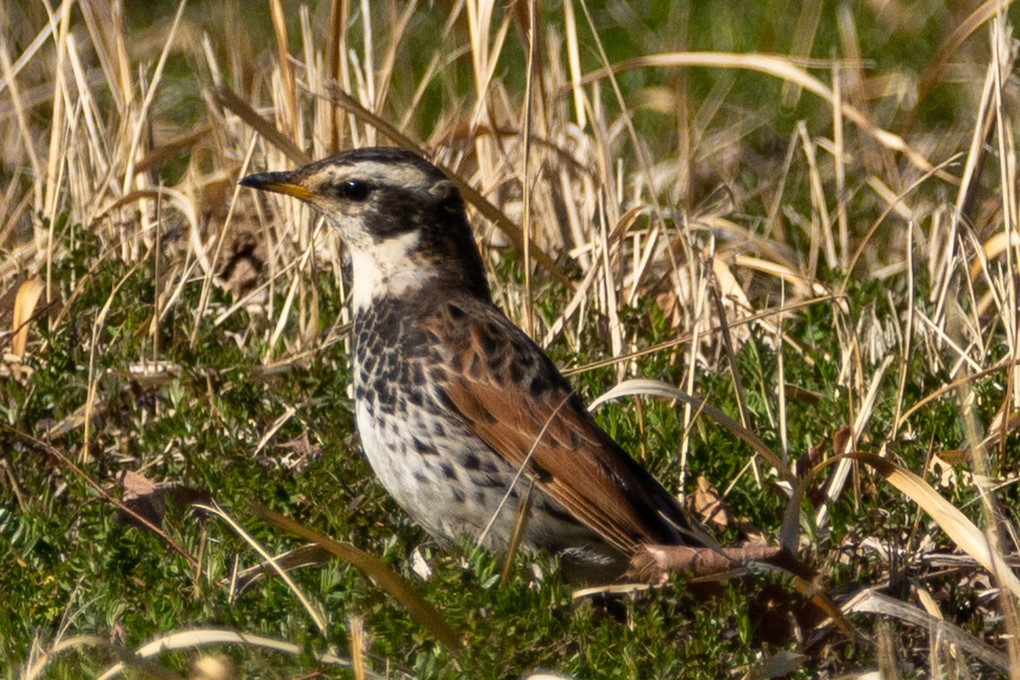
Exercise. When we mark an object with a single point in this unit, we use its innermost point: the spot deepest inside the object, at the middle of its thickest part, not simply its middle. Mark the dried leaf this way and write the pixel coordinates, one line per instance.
(709, 506)
(870, 601)
(244, 264)
(24, 307)
(967, 536)
(149, 500)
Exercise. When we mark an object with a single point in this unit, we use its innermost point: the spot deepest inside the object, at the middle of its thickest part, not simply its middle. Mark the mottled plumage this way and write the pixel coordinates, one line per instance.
(451, 398)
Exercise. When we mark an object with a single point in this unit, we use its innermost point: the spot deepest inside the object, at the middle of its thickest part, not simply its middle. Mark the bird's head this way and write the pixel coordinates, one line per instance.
(400, 217)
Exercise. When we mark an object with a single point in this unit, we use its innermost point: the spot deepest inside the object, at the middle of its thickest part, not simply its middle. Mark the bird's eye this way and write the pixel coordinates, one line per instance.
(354, 190)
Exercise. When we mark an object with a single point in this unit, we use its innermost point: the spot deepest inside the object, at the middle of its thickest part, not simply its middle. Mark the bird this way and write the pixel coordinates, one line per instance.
(462, 417)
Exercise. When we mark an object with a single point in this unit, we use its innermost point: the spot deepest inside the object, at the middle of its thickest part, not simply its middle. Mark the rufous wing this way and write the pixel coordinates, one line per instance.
(515, 400)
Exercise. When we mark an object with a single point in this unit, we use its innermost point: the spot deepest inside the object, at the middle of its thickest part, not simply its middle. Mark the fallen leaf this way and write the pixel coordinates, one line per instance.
(24, 306)
(149, 500)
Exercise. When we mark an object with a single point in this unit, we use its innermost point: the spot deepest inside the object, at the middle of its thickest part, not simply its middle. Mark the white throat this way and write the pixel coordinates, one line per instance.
(386, 268)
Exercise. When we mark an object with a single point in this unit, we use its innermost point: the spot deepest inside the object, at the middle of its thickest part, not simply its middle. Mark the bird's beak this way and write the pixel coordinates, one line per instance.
(279, 182)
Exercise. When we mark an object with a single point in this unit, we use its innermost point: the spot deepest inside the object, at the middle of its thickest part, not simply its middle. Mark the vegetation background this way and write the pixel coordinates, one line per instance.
(800, 215)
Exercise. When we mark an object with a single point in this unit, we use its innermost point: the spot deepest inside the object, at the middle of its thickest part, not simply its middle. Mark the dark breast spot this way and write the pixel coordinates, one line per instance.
(423, 448)
(381, 388)
(491, 481)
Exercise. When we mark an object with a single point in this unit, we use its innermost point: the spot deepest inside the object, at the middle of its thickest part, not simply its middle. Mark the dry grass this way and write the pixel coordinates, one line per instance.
(621, 187)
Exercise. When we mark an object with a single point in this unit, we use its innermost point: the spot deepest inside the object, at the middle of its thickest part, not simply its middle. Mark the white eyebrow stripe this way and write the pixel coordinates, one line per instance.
(398, 175)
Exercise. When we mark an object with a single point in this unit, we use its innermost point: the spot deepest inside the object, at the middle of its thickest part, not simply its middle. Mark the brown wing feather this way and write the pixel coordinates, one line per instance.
(517, 402)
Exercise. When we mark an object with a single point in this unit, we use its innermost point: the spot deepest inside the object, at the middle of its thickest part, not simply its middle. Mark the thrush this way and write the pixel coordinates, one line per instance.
(461, 416)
